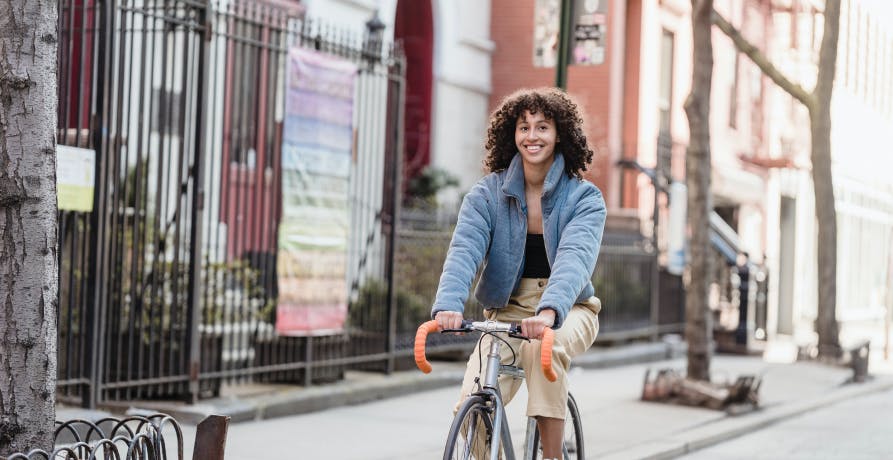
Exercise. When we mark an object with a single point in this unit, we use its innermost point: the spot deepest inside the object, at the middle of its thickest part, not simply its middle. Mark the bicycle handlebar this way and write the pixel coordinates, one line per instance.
(483, 326)
(421, 336)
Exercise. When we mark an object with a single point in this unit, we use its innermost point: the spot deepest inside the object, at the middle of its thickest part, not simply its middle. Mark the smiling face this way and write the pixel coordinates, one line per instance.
(535, 137)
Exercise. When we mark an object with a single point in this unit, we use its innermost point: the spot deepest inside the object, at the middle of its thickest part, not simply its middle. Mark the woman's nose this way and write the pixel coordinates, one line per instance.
(531, 134)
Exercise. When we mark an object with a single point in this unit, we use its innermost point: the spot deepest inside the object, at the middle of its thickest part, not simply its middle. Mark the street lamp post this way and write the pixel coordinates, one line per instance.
(564, 43)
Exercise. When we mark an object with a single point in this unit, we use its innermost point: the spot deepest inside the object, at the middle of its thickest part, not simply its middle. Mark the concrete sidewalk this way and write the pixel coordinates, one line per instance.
(641, 430)
(412, 424)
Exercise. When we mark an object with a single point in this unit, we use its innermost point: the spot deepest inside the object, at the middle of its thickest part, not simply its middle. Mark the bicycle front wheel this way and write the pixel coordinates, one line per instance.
(471, 433)
(572, 448)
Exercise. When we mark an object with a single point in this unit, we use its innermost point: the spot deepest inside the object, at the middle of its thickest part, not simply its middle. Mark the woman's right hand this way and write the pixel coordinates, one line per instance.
(448, 319)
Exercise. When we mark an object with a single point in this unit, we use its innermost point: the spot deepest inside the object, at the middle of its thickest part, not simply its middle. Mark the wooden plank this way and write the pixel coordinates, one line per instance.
(210, 438)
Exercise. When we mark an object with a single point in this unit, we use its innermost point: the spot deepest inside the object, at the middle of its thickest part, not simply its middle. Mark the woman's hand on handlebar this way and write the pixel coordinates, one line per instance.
(533, 327)
(448, 320)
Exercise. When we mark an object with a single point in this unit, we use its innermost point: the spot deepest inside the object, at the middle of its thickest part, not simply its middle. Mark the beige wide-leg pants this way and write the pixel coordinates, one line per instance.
(576, 335)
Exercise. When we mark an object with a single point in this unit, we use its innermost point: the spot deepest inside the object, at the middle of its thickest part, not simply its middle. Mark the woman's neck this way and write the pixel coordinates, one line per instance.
(535, 176)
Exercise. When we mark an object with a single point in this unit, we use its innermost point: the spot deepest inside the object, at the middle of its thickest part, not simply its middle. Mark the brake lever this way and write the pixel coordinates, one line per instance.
(516, 334)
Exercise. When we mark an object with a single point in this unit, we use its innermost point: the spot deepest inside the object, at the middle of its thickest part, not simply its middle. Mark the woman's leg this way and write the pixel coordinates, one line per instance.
(548, 400)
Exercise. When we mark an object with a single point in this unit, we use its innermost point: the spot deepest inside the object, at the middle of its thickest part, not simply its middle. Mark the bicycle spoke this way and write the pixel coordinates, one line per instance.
(470, 435)
(471, 432)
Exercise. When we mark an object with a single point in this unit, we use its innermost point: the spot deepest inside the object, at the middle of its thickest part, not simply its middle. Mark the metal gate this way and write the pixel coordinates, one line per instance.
(168, 287)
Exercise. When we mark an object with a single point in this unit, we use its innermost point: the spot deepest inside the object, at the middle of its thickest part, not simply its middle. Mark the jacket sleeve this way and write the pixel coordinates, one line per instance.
(575, 257)
(469, 245)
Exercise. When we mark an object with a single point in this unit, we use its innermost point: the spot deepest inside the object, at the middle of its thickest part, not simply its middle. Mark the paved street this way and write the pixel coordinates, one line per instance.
(616, 424)
(856, 429)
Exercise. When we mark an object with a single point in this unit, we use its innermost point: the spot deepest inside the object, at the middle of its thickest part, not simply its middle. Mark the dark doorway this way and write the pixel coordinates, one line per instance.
(414, 26)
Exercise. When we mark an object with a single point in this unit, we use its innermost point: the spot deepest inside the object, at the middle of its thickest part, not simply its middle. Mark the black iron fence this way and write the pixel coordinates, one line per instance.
(169, 287)
(623, 279)
(78, 27)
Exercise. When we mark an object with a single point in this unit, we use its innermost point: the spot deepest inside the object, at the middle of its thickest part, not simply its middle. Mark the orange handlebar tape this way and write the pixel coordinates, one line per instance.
(420, 336)
(546, 354)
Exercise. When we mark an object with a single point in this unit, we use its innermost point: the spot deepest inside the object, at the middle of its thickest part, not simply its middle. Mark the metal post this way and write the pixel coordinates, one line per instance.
(888, 317)
(564, 43)
(308, 361)
(94, 344)
(655, 261)
(194, 314)
(396, 195)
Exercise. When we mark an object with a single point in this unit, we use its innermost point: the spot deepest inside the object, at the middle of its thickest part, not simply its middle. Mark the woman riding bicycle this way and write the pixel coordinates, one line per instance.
(536, 225)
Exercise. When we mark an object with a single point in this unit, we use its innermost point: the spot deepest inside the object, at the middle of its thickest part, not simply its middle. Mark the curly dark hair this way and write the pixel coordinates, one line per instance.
(555, 105)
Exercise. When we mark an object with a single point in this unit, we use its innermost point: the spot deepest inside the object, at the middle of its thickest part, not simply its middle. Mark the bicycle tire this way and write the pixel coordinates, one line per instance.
(474, 413)
(574, 451)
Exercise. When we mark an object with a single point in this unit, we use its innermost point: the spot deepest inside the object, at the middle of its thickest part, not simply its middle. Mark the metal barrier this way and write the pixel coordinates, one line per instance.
(77, 85)
(168, 287)
(132, 438)
(623, 282)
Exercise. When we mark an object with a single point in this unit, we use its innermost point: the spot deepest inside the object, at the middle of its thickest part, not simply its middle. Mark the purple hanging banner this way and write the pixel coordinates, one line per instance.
(316, 160)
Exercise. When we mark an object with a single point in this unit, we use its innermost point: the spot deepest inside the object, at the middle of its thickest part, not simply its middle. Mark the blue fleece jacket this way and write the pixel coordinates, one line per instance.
(492, 229)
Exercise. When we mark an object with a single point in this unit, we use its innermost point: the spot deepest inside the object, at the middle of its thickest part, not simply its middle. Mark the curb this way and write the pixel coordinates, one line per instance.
(730, 427)
(301, 400)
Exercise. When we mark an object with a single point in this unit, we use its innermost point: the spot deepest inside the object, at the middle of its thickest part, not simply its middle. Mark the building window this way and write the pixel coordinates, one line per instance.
(665, 96)
(863, 54)
(843, 42)
(889, 88)
(870, 49)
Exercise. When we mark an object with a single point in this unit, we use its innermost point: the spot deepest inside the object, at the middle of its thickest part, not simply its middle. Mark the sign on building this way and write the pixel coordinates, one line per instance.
(587, 35)
(75, 169)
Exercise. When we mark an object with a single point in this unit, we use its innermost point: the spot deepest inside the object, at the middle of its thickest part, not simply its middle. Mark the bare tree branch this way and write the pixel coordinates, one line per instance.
(760, 59)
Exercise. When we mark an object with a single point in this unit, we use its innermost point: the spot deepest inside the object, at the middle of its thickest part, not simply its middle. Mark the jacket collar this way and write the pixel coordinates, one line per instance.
(514, 178)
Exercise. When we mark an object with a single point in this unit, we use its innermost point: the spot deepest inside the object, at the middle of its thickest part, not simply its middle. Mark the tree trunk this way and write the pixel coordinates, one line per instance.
(826, 213)
(28, 266)
(698, 330)
(826, 216)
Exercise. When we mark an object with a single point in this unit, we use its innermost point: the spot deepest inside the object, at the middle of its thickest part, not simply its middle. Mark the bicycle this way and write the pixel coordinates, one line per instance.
(484, 409)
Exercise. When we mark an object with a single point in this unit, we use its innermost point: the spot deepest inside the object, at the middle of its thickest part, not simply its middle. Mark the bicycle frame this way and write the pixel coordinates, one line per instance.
(490, 390)
(490, 386)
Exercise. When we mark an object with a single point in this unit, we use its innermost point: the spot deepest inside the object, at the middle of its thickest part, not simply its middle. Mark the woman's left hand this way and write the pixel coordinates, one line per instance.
(533, 327)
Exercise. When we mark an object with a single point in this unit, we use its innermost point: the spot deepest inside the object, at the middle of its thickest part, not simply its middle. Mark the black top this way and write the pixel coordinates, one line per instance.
(536, 265)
